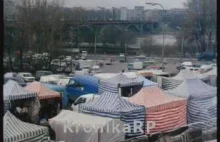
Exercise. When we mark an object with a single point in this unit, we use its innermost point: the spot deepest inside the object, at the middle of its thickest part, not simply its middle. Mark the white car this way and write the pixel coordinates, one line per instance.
(83, 99)
(187, 64)
(95, 70)
(10, 74)
(108, 61)
(28, 77)
(57, 62)
(54, 78)
(64, 81)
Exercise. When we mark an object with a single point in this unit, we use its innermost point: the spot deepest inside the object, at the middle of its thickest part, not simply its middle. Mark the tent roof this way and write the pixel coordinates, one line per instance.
(187, 74)
(131, 74)
(12, 91)
(110, 103)
(123, 81)
(42, 91)
(79, 118)
(105, 75)
(170, 68)
(211, 72)
(193, 88)
(17, 130)
(152, 97)
(147, 82)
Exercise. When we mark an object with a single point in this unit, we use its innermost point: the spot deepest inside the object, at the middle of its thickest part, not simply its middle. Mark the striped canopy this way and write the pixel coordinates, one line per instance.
(123, 81)
(120, 80)
(167, 112)
(16, 130)
(172, 82)
(42, 91)
(13, 91)
(147, 82)
(193, 88)
(202, 102)
(113, 106)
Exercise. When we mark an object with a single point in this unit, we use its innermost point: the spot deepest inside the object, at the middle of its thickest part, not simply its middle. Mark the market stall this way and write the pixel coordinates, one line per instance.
(167, 112)
(212, 74)
(85, 128)
(17, 97)
(147, 83)
(172, 82)
(202, 101)
(119, 84)
(113, 106)
(50, 100)
(61, 89)
(16, 130)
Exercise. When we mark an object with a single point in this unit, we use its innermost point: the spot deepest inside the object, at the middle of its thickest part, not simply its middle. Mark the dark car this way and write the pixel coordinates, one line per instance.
(206, 56)
(18, 79)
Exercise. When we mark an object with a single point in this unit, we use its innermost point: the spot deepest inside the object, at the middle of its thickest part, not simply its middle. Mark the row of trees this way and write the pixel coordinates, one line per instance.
(41, 28)
(199, 30)
(196, 31)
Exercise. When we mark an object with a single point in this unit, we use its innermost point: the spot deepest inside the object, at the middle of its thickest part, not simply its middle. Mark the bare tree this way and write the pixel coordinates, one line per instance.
(201, 23)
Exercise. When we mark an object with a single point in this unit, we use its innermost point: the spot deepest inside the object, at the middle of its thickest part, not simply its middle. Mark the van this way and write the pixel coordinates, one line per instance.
(122, 57)
(80, 85)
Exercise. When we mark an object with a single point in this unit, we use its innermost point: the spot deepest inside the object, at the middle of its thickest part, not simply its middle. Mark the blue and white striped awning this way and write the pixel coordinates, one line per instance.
(172, 82)
(113, 84)
(147, 82)
(202, 104)
(122, 80)
(17, 131)
(13, 91)
(113, 106)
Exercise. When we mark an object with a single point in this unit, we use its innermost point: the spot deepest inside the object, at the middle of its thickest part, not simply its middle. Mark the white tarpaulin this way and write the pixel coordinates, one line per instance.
(85, 128)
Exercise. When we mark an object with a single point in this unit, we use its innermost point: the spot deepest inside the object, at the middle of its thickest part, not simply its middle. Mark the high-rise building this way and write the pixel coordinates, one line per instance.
(139, 12)
(123, 13)
(131, 14)
(116, 14)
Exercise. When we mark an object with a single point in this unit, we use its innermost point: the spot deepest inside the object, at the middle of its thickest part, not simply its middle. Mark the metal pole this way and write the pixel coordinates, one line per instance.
(182, 48)
(163, 48)
(95, 47)
(163, 53)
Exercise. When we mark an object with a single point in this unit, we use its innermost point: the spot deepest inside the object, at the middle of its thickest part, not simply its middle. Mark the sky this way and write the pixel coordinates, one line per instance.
(167, 4)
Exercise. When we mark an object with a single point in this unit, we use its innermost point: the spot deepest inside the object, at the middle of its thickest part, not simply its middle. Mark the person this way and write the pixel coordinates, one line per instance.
(18, 110)
(123, 71)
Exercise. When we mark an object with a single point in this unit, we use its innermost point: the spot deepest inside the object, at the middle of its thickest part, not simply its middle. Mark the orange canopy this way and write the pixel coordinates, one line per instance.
(42, 91)
(167, 112)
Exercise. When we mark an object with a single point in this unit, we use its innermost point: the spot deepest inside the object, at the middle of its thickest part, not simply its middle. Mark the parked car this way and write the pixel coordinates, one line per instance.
(53, 78)
(18, 79)
(84, 55)
(83, 99)
(10, 74)
(28, 77)
(122, 57)
(80, 85)
(42, 73)
(95, 69)
(108, 61)
(64, 81)
(206, 56)
(58, 62)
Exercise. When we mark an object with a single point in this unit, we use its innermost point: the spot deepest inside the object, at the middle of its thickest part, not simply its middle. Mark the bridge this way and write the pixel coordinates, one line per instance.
(138, 26)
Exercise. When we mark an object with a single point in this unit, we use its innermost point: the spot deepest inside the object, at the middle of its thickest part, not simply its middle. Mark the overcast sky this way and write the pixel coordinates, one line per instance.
(120, 3)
